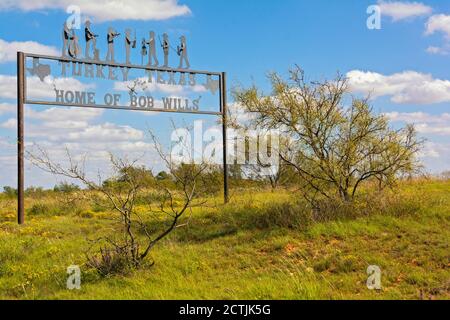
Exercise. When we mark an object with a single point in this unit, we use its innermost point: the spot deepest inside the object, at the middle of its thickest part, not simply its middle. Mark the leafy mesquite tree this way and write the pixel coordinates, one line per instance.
(334, 145)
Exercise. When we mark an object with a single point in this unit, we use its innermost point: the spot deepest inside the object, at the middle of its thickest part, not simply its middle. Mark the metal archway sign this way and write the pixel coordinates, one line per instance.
(141, 82)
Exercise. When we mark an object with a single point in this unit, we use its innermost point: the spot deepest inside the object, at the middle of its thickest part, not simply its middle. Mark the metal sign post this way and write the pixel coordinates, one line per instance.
(106, 70)
(223, 102)
(20, 140)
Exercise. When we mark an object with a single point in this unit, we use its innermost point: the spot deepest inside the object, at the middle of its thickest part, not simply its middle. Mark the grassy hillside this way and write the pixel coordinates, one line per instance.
(260, 246)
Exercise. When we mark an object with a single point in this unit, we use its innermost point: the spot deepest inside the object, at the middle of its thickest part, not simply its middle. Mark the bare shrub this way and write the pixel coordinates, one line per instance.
(140, 229)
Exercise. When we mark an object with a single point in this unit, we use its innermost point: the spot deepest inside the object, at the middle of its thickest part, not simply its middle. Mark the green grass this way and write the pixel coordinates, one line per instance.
(257, 247)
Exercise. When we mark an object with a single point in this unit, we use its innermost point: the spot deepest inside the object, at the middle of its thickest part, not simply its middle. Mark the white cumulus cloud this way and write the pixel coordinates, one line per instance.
(107, 10)
(405, 87)
(59, 114)
(9, 124)
(398, 10)
(81, 131)
(440, 130)
(106, 132)
(8, 50)
(435, 156)
(438, 23)
(37, 89)
(7, 108)
(437, 50)
(416, 117)
(425, 123)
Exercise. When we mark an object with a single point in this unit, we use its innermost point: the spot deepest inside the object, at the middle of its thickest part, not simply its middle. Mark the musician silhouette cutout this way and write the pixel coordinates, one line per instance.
(74, 48)
(143, 50)
(182, 52)
(67, 37)
(166, 46)
(129, 43)
(90, 38)
(110, 39)
(152, 50)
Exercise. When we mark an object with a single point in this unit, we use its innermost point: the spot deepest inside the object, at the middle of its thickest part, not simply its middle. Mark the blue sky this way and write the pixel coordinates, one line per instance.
(405, 64)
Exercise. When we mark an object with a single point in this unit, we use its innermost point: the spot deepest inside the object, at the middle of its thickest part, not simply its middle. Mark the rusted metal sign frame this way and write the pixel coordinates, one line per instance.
(22, 99)
(121, 65)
